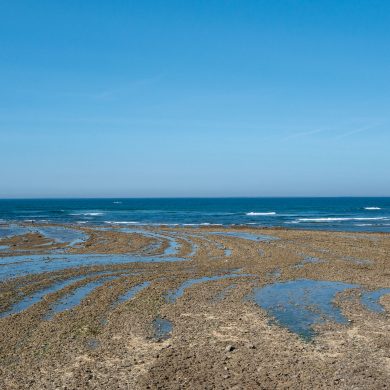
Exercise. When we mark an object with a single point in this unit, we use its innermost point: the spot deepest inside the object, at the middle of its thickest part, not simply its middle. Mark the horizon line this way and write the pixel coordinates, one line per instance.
(193, 197)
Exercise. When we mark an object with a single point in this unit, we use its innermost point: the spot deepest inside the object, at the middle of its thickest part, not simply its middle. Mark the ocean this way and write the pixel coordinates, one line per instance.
(344, 214)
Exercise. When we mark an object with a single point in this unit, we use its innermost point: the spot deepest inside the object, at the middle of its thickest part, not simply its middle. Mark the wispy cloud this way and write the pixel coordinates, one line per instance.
(303, 134)
(333, 133)
(356, 131)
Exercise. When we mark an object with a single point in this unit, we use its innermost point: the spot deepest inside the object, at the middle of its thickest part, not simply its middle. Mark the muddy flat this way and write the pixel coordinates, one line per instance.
(193, 308)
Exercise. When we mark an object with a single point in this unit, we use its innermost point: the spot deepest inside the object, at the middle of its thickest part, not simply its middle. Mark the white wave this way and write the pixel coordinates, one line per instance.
(340, 219)
(202, 224)
(121, 222)
(94, 214)
(117, 202)
(253, 213)
(372, 208)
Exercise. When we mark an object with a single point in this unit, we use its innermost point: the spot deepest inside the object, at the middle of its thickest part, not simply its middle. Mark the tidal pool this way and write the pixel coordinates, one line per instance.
(171, 250)
(301, 304)
(62, 234)
(228, 252)
(12, 230)
(173, 295)
(36, 297)
(74, 298)
(16, 266)
(131, 293)
(370, 299)
(162, 328)
(57, 233)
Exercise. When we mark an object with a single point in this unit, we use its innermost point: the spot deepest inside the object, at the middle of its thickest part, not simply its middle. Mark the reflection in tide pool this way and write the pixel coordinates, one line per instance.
(300, 304)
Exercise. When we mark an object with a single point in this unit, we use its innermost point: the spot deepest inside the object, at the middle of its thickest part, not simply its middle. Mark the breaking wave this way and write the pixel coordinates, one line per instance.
(340, 219)
(254, 213)
(121, 222)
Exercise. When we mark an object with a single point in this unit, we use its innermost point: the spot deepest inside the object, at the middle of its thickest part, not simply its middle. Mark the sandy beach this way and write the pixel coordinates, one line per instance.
(195, 308)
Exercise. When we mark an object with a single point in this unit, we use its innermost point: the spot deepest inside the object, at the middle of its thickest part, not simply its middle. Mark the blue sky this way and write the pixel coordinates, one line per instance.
(194, 98)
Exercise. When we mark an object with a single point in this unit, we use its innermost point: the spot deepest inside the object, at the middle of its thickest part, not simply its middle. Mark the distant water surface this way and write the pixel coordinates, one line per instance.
(348, 214)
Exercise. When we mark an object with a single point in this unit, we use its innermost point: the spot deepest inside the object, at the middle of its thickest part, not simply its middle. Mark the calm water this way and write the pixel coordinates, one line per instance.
(300, 304)
(349, 214)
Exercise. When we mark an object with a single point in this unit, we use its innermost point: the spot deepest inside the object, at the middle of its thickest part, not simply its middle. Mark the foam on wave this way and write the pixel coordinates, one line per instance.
(121, 222)
(340, 219)
(89, 214)
(254, 213)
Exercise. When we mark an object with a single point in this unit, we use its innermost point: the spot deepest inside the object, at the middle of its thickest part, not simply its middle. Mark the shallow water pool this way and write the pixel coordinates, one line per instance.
(162, 328)
(300, 304)
(370, 299)
(173, 295)
(15, 266)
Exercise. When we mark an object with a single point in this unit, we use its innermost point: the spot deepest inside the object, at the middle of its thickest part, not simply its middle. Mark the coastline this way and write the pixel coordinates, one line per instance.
(220, 336)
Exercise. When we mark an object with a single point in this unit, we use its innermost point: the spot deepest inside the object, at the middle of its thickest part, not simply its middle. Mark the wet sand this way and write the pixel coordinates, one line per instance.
(211, 332)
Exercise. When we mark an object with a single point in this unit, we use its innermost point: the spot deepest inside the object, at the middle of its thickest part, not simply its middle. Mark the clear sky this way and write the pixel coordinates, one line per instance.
(194, 98)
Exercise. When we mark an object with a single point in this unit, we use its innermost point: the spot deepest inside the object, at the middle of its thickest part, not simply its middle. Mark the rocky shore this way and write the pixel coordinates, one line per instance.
(194, 308)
